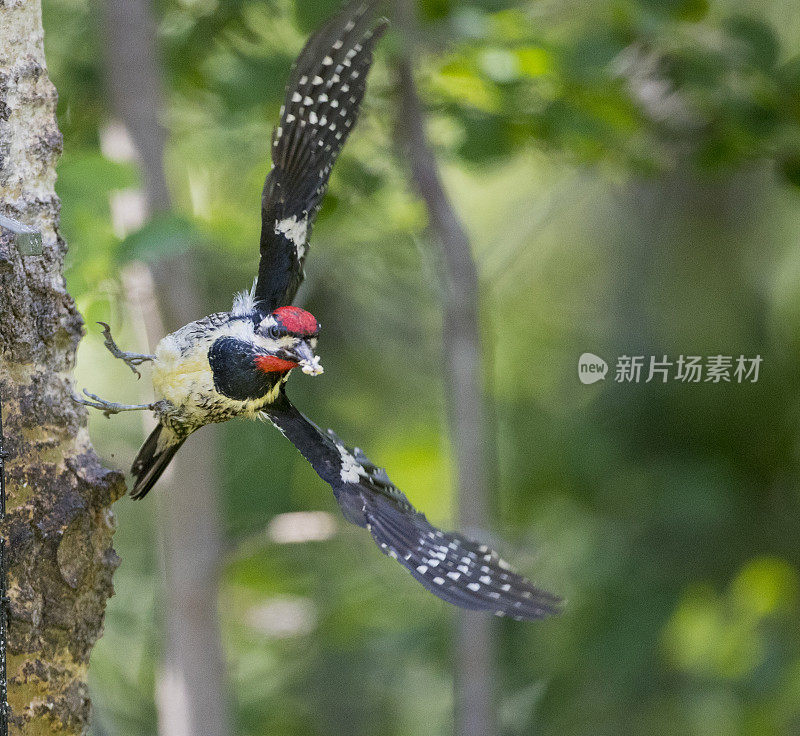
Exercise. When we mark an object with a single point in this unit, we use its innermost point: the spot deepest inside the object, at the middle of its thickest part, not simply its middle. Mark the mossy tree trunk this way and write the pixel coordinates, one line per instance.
(59, 522)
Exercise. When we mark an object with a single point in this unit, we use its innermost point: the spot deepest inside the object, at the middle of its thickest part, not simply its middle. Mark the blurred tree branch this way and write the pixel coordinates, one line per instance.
(192, 686)
(466, 405)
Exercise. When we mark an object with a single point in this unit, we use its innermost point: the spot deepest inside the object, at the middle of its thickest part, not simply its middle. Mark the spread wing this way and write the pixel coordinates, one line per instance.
(323, 97)
(449, 565)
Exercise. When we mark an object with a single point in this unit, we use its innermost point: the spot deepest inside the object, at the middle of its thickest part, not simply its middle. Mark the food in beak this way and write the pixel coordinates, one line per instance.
(308, 362)
(312, 367)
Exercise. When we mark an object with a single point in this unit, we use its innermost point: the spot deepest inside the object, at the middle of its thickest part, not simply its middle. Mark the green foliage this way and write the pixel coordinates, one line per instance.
(628, 174)
(162, 236)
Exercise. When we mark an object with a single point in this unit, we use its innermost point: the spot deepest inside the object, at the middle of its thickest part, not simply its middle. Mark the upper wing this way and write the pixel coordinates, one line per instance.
(449, 565)
(322, 102)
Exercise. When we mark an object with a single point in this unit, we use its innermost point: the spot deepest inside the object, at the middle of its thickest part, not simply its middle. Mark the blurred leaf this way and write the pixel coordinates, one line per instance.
(311, 14)
(434, 9)
(459, 82)
(534, 61)
(790, 168)
(759, 42)
(163, 236)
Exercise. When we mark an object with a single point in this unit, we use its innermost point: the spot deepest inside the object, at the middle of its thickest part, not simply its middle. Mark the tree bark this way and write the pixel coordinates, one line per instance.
(474, 650)
(191, 688)
(60, 521)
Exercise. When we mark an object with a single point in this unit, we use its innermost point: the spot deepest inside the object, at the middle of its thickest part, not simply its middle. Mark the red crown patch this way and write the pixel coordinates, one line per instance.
(297, 320)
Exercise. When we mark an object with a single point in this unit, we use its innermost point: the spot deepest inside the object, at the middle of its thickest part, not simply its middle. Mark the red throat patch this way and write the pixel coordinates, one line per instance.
(271, 364)
(297, 320)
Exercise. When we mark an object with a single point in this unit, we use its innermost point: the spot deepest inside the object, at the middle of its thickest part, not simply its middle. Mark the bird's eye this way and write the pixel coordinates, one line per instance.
(274, 332)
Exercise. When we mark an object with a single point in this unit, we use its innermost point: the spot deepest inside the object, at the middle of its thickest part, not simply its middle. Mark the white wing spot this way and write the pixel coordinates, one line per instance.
(422, 569)
(474, 587)
(327, 61)
(351, 470)
(296, 97)
(485, 579)
(294, 230)
(454, 575)
(303, 79)
(438, 581)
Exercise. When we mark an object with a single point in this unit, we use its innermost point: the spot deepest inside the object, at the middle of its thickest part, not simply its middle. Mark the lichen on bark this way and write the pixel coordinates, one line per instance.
(59, 522)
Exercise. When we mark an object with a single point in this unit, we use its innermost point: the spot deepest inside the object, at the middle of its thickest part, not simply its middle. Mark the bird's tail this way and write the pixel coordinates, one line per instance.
(157, 451)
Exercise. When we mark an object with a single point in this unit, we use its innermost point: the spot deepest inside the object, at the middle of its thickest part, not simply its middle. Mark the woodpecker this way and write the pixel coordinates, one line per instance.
(236, 363)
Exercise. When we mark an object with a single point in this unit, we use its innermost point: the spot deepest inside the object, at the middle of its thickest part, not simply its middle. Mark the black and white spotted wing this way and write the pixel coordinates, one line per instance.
(323, 97)
(448, 564)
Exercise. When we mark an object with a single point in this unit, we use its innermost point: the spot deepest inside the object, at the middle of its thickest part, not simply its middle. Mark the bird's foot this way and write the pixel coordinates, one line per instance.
(111, 407)
(130, 359)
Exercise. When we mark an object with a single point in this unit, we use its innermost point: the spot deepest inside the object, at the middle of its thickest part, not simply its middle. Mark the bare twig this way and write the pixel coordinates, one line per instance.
(467, 411)
(192, 694)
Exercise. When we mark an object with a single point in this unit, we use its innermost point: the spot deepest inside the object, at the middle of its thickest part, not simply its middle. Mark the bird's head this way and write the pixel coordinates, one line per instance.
(288, 338)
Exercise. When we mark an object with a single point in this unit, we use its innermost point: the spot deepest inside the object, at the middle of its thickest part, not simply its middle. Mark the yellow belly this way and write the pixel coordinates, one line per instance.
(181, 379)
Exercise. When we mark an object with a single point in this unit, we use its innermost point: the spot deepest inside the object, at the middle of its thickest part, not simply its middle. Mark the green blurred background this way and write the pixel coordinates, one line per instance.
(628, 173)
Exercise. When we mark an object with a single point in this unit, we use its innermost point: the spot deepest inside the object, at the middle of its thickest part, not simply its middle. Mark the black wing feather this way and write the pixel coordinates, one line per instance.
(323, 98)
(452, 567)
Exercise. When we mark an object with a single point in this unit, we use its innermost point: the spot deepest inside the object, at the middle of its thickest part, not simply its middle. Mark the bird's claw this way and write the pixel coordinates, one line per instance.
(107, 407)
(130, 359)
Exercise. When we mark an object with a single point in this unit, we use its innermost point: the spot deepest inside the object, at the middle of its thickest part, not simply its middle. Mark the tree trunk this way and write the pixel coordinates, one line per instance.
(59, 522)
(191, 688)
(474, 651)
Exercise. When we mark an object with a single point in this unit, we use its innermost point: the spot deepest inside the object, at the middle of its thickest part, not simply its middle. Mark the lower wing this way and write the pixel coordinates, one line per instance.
(449, 565)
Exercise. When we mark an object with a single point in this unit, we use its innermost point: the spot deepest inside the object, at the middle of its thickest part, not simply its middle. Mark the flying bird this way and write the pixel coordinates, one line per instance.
(236, 363)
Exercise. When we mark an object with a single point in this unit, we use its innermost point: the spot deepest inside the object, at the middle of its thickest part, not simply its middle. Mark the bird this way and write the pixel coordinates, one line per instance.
(237, 363)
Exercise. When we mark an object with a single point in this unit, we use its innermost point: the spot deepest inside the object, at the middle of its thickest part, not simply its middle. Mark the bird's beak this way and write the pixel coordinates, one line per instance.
(308, 362)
